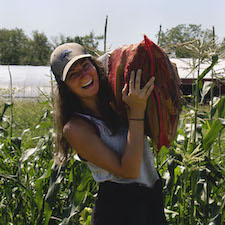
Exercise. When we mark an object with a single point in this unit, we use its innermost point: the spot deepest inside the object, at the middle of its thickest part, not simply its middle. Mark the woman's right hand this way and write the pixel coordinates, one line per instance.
(136, 97)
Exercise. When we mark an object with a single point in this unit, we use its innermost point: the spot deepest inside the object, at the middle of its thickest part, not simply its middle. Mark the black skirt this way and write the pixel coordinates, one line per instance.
(129, 204)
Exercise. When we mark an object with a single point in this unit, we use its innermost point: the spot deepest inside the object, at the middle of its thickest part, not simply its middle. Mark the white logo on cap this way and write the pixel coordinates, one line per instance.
(64, 54)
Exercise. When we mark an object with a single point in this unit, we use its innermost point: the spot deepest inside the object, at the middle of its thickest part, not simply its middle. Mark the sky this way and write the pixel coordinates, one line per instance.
(127, 19)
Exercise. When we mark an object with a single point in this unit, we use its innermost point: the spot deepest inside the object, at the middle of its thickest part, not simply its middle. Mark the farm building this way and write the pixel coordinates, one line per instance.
(31, 81)
(188, 75)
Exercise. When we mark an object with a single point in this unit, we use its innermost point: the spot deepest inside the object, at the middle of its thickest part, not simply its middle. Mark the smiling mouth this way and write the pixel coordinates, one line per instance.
(88, 84)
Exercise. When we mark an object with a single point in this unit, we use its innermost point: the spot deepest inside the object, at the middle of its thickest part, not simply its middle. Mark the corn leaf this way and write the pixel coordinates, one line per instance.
(212, 134)
(214, 61)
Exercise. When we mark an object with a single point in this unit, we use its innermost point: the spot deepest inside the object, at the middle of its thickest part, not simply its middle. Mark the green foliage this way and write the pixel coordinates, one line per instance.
(33, 188)
(13, 46)
(89, 41)
(194, 182)
(39, 50)
(174, 39)
(16, 48)
(194, 166)
(184, 33)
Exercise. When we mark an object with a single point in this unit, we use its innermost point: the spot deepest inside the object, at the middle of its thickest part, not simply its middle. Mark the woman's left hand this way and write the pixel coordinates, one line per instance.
(136, 97)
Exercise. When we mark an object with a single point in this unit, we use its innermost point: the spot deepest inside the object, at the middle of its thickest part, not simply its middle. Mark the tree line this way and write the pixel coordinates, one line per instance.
(16, 48)
(178, 40)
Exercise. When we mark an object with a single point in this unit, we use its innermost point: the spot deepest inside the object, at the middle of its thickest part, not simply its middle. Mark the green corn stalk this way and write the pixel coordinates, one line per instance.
(11, 102)
(196, 102)
(199, 51)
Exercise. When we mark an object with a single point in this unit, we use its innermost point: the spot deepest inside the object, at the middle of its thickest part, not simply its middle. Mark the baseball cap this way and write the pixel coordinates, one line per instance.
(64, 56)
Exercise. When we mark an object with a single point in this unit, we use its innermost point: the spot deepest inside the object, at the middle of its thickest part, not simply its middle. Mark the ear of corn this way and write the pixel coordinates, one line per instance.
(164, 104)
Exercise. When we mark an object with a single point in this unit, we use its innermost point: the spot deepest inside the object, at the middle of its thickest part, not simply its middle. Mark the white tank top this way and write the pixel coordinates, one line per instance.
(148, 174)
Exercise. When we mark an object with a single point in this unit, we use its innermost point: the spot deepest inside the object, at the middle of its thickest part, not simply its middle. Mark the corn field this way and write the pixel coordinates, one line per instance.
(34, 190)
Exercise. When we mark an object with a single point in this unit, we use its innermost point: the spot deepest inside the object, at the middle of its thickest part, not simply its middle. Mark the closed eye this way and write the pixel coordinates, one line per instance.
(74, 74)
(86, 66)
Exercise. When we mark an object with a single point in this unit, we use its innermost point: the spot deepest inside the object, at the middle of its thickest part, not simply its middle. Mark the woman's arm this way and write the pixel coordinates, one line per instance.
(82, 136)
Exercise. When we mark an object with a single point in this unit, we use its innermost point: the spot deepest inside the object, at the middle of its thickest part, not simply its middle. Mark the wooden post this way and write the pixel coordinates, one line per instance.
(159, 34)
(105, 33)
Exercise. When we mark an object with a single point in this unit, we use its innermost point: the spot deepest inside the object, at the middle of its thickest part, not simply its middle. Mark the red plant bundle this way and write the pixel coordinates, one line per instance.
(164, 104)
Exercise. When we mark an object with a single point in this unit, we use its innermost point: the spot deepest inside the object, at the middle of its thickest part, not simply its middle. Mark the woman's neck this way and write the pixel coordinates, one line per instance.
(92, 107)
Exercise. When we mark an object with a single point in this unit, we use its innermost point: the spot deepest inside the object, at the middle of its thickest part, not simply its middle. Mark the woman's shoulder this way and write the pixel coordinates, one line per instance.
(79, 124)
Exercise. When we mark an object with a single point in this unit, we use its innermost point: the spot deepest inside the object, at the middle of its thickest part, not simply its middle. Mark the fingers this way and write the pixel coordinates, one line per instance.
(131, 82)
(124, 91)
(133, 95)
(135, 84)
(149, 91)
(138, 79)
(149, 84)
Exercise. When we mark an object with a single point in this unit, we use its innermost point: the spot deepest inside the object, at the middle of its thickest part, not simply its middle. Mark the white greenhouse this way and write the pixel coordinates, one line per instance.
(33, 81)
(27, 81)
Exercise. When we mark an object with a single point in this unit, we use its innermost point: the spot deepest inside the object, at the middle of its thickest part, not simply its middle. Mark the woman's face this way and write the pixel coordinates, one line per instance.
(83, 80)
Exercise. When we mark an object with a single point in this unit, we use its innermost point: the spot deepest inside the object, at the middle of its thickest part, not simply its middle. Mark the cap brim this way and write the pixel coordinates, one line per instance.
(71, 62)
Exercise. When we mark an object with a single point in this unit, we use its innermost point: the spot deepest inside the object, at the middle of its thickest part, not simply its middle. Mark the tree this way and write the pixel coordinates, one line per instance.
(13, 46)
(173, 39)
(89, 41)
(18, 49)
(40, 50)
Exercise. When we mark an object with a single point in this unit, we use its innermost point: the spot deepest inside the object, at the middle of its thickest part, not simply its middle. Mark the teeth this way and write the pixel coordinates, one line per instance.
(87, 83)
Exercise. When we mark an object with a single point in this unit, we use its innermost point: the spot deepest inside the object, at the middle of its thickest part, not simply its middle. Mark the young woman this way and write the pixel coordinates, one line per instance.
(117, 153)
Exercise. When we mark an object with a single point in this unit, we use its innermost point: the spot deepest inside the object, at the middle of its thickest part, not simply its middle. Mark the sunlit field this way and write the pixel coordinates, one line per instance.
(36, 191)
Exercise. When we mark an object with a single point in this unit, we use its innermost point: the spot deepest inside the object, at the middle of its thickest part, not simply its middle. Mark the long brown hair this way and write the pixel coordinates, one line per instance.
(66, 103)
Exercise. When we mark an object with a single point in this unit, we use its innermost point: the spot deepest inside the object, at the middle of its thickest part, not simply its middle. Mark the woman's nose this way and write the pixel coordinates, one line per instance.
(84, 73)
